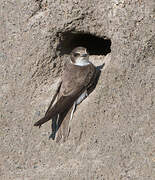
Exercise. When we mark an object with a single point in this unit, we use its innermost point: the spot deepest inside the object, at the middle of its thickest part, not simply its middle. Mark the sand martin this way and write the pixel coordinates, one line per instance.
(78, 76)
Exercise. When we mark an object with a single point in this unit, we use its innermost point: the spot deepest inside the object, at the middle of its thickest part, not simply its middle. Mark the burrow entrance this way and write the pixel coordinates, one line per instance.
(94, 44)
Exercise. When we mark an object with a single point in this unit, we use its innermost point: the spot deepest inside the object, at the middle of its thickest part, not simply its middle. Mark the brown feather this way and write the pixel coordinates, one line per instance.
(71, 88)
(75, 80)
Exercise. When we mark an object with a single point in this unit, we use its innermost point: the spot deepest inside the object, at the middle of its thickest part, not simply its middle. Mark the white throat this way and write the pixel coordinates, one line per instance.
(82, 62)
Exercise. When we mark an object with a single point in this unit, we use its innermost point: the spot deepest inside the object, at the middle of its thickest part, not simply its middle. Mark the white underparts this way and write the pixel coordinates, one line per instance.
(81, 97)
(74, 106)
(82, 62)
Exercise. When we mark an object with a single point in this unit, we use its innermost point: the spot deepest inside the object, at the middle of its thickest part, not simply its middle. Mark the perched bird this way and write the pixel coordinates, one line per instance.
(79, 75)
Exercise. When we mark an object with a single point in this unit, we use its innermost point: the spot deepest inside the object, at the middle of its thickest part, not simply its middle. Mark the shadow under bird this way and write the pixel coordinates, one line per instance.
(79, 76)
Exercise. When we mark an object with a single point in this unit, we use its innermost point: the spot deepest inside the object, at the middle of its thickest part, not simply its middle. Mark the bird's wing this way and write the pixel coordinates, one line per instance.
(64, 103)
(64, 129)
(71, 89)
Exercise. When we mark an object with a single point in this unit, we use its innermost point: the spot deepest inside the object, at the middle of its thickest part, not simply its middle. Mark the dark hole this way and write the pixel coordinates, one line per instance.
(94, 44)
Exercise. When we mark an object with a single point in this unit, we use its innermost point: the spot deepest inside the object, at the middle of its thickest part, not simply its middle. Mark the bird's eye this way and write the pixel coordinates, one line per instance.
(76, 54)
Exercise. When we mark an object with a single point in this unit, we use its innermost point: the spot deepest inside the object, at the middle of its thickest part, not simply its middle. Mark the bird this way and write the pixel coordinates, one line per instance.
(78, 76)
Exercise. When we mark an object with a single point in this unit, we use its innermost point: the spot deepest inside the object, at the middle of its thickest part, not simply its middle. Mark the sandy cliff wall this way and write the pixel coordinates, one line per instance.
(112, 130)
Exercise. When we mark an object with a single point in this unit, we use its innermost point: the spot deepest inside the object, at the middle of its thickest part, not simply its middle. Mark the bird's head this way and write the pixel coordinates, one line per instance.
(80, 57)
